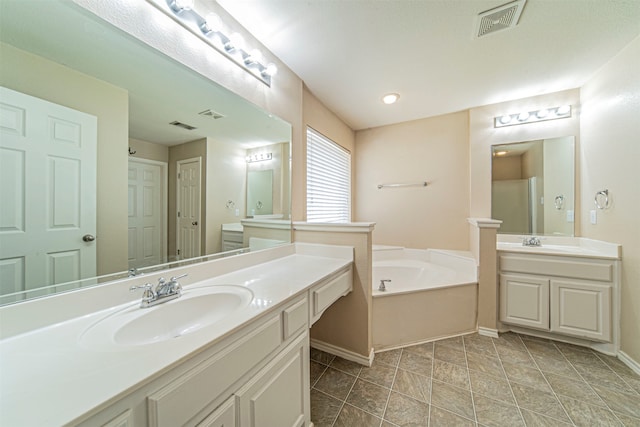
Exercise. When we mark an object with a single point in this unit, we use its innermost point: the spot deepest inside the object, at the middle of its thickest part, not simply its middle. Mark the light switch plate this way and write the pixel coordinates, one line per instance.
(593, 216)
(570, 217)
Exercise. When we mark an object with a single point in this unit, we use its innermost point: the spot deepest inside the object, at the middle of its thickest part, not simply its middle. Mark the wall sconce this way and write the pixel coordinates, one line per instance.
(210, 28)
(259, 157)
(562, 112)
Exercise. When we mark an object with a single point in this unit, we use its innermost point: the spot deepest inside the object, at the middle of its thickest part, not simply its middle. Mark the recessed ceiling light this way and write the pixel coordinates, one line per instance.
(501, 153)
(390, 98)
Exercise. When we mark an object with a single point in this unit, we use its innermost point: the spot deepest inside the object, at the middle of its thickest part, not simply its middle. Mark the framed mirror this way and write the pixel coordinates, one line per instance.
(157, 123)
(532, 186)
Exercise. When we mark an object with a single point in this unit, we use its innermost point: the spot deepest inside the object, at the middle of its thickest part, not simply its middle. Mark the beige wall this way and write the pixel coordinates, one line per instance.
(506, 168)
(36, 76)
(558, 179)
(609, 159)
(225, 180)
(188, 150)
(433, 149)
(148, 150)
(320, 118)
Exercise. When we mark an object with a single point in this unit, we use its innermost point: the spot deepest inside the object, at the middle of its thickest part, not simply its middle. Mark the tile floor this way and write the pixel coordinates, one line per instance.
(473, 380)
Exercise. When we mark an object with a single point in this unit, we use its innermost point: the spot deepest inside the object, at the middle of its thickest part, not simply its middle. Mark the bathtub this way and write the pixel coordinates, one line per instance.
(431, 294)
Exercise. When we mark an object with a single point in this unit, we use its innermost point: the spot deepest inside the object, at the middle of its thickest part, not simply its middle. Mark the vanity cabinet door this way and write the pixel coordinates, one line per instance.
(224, 416)
(524, 300)
(279, 394)
(581, 309)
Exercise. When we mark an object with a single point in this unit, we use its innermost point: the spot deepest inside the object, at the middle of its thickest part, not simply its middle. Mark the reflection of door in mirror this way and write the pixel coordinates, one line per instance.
(147, 237)
(47, 150)
(260, 192)
(533, 186)
(189, 172)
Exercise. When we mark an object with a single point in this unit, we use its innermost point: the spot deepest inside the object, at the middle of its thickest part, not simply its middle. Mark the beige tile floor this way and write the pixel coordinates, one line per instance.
(514, 380)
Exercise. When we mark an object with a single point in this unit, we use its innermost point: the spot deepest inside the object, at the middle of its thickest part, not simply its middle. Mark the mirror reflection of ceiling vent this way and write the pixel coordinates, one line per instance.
(212, 114)
(499, 18)
(182, 125)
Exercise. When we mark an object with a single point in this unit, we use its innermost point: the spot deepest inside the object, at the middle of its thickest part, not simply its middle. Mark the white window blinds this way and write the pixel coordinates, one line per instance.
(328, 180)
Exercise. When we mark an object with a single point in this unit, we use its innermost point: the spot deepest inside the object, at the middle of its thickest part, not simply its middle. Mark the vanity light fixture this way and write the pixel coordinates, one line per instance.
(259, 157)
(390, 98)
(210, 28)
(562, 112)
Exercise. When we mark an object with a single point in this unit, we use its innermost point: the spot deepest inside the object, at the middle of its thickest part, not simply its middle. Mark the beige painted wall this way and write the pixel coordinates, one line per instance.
(320, 118)
(506, 168)
(149, 150)
(36, 76)
(609, 158)
(433, 149)
(225, 180)
(188, 150)
(558, 153)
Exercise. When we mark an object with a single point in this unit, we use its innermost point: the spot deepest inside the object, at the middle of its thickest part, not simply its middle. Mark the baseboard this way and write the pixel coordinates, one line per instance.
(488, 332)
(627, 360)
(341, 352)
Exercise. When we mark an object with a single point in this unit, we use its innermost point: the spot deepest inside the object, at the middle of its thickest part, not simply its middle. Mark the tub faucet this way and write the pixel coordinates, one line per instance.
(382, 286)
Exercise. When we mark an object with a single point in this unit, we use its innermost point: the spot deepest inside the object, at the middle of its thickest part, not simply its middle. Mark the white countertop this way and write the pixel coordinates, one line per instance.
(48, 378)
(561, 246)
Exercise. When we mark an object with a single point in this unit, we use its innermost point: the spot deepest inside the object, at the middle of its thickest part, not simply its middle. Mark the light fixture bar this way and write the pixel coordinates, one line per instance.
(525, 117)
(209, 29)
(259, 157)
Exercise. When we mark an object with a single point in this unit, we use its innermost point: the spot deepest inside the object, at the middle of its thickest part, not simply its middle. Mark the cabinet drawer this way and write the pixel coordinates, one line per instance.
(177, 402)
(589, 269)
(294, 318)
(224, 416)
(232, 236)
(325, 294)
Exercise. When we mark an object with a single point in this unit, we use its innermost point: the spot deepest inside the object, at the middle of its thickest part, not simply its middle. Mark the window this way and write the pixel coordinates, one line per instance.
(328, 180)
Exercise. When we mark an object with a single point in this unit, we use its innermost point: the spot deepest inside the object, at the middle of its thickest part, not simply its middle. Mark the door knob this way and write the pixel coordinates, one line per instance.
(194, 223)
(88, 238)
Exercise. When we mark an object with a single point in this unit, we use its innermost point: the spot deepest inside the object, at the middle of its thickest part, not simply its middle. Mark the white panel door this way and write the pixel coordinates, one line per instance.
(188, 197)
(146, 213)
(48, 193)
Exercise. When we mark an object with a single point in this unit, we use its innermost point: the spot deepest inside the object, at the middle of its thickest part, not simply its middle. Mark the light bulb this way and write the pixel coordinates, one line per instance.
(390, 98)
(235, 43)
(523, 116)
(270, 70)
(505, 120)
(180, 5)
(212, 22)
(542, 114)
(564, 110)
(254, 57)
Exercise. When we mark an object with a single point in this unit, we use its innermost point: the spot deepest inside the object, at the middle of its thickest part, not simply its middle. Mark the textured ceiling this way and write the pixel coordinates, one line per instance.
(351, 52)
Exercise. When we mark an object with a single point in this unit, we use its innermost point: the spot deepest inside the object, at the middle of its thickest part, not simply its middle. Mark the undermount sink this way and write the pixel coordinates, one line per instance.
(195, 309)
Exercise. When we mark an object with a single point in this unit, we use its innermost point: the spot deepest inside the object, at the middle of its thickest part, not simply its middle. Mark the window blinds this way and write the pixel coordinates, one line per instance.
(328, 180)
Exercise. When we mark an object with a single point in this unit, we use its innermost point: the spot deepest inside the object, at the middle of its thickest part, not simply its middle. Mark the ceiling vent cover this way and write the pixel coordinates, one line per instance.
(182, 125)
(211, 114)
(499, 18)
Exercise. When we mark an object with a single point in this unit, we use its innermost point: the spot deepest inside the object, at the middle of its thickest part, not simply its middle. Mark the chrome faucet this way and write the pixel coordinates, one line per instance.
(382, 286)
(164, 291)
(531, 241)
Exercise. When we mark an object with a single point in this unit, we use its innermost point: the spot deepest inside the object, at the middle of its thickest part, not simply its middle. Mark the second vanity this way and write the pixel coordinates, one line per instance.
(565, 288)
(247, 367)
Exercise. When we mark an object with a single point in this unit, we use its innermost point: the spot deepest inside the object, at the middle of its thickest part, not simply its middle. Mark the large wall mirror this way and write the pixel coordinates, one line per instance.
(172, 154)
(532, 189)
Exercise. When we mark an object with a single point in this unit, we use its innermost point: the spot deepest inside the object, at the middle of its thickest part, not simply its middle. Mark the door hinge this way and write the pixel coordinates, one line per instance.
(178, 251)
(179, 174)
(178, 214)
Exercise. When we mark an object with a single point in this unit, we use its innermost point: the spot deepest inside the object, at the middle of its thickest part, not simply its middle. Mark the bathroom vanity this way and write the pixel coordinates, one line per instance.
(566, 288)
(248, 366)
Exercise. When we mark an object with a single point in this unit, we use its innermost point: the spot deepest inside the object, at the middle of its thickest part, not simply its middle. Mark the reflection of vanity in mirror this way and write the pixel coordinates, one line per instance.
(533, 187)
(173, 152)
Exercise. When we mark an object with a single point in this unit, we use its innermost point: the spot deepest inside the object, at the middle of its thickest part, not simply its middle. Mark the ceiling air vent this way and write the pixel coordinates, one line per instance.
(211, 114)
(182, 125)
(499, 18)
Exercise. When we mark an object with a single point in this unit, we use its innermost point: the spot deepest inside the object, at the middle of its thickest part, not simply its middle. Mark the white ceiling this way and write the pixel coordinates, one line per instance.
(351, 52)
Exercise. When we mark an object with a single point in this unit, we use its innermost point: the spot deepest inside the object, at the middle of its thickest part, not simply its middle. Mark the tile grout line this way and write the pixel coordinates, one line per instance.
(395, 373)
(433, 363)
(466, 362)
(547, 381)
(509, 381)
(617, 374)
